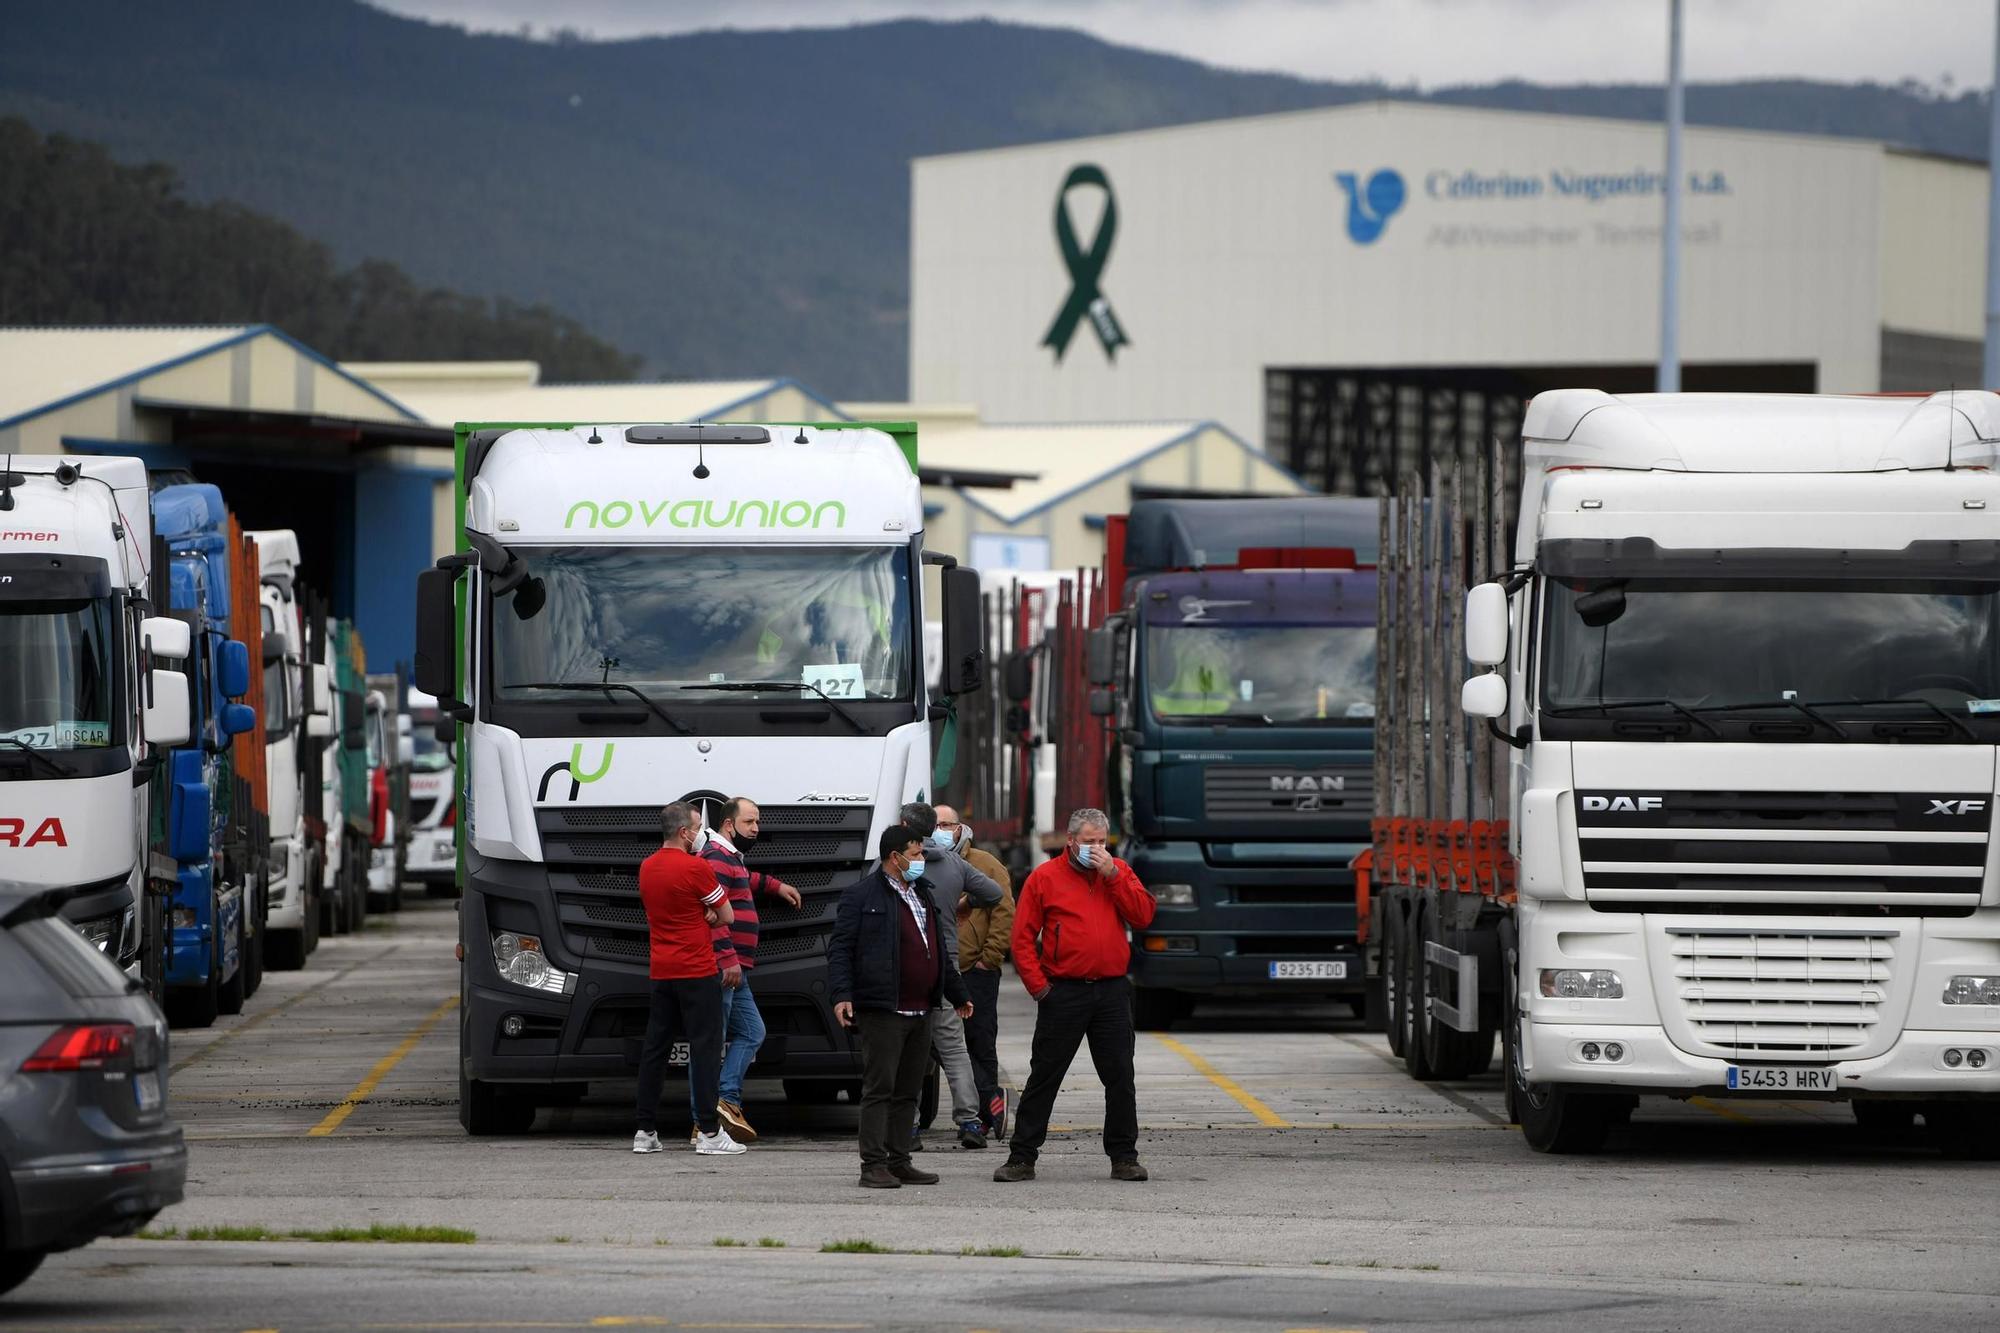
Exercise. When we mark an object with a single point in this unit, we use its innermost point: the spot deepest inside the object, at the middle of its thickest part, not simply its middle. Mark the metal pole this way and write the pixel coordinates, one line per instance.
(1670, 238)
(1991, 376)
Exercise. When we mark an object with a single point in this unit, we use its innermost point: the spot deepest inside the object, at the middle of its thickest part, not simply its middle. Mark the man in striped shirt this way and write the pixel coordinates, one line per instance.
(734, 832)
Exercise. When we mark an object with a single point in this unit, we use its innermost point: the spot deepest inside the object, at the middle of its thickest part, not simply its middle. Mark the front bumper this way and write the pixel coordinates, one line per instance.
(64, 1202)
(433, 857)
(287, 910)
(382, 872)
(1914, 1066)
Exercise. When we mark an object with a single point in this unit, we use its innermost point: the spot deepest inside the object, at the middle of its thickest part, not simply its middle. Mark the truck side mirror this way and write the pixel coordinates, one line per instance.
(232, 669)
(1101, 653)
(1103, 703)
(235, 719)
(964, 631)
(434, 667)
(276, 648)
(165, 719)
(1486, 627)
(1484, 696)
(318, 726)
(165, 638)
(1018, 678)
(446, 729)
(187, 820)
(322, 693)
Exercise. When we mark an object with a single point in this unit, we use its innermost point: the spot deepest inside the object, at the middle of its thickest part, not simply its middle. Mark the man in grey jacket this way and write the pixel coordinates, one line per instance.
(954, 879)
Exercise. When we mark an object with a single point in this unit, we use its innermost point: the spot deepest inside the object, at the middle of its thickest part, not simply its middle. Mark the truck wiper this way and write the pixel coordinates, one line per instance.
(1571, 710)
(1942, 712)
(742, 686)
(59, 769)
(1808, 709)
(611, 687)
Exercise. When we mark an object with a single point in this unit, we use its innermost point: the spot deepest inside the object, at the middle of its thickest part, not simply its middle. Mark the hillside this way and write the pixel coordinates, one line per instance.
(723, 204)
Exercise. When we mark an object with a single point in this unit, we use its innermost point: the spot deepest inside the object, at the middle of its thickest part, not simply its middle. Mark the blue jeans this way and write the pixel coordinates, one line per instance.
(743, 1029)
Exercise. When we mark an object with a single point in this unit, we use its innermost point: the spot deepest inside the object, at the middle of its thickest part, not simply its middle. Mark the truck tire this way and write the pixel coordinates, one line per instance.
(1452, 1054)
(309, 919)
(483, 1109)
(229, 994)
(255, 937)
(197, 1006)
(1884, 1120)
(1552, 1119)
(285, 950)
(1155, 1010)
(1964, 1131)
(1393, 1000)
(1416, 1054)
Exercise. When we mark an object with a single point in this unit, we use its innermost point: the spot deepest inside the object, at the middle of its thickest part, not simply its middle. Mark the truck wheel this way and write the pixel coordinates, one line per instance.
(1883, 1120)
(197, 1006)
(1155, 1010)
(255, 936)
(1510, 1074)
(1416, 1053)
(1453, 1054)
(286, 950)
(1552, 1119)
(1392, 969)
(308, 920)
(229, 995)
(1964, 1131)
(486, 1112)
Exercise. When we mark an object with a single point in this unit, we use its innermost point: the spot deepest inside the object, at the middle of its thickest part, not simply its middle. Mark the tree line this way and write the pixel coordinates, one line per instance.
(85, 239)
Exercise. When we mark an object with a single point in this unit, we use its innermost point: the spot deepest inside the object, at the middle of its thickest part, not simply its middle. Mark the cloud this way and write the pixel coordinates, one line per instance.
(1432, 43)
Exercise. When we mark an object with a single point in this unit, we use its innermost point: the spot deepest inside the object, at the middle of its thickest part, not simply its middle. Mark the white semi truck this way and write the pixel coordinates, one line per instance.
(651, 613)
(84, 711)
(1730, 831)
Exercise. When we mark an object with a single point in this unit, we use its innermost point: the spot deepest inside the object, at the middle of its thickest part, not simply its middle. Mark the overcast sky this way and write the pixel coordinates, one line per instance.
(1433, 43)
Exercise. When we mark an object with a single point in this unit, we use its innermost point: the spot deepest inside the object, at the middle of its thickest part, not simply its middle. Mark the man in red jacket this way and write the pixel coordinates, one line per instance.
(1071, 951)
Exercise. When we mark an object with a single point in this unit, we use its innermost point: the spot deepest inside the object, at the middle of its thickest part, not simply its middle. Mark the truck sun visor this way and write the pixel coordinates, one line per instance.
(1640, 557)
(53, 577)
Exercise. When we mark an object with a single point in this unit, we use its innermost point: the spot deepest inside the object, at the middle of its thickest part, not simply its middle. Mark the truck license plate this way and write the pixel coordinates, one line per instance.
(677, 1054)
(1318, 970)
(1780, 1078)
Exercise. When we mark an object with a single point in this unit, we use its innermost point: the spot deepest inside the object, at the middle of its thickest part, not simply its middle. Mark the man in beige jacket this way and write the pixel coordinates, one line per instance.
(983, 933)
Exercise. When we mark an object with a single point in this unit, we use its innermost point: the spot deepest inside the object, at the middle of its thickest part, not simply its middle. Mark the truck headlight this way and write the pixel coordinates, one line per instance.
(1581, 983)
(101, 931)
(1174, 895)
(281, 859)
(1972, 990)
(521, 961)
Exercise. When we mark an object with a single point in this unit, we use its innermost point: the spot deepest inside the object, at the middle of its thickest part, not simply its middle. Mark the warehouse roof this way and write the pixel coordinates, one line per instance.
(448, 398)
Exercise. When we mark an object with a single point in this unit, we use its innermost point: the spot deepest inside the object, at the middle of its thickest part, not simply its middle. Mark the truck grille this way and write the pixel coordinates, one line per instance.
(1889, 849)
(1290, 795)
(593, 855)
(1781, 995)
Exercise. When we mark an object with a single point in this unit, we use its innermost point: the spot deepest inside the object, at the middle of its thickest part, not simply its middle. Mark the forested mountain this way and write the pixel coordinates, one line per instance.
(85, 240)
(723, 204)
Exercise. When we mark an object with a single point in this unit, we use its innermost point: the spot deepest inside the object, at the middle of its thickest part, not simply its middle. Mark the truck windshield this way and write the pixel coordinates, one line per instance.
(1845, 648)
(661, 618)
(57, 691)
(1267, 673)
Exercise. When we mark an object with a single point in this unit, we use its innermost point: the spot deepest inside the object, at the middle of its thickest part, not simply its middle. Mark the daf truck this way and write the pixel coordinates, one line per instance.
(1717, 817)
(644, 613)
(90, 699)
(1237, 670)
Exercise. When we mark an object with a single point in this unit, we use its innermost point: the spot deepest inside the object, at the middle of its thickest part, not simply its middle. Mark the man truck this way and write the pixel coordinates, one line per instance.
(1716, 819)
(638, 614)
(1238, 666)
(89, 699)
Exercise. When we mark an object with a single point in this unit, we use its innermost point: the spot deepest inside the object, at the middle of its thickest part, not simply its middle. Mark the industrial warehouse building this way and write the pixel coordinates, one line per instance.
(1359, 288)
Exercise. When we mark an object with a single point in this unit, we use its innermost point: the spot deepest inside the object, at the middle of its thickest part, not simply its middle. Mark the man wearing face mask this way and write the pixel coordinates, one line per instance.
(1071, 950)
(890, 963)
(983, 934)
(958, 884)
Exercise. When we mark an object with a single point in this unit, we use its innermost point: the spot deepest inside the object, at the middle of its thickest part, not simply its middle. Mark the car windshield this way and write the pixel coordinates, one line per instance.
(663, 618)
(1289, 673)
(1827, 644)
(57, 691)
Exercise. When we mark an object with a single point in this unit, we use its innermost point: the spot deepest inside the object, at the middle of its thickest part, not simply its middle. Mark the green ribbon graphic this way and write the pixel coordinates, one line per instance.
(1085, 267)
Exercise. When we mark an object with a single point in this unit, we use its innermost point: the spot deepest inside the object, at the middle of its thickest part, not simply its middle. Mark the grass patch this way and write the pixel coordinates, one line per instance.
(854, 1247)
(231, 1233)
(999, 1252)
(380, 1233)
(726, 1243)
(1424, 1268)
(1069, 1254)
(560, 1240)
(158, 1233)
(770, 1243)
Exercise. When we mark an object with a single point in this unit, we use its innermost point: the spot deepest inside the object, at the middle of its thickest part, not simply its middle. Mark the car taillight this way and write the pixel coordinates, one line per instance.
(378, 804)
(84, 1046)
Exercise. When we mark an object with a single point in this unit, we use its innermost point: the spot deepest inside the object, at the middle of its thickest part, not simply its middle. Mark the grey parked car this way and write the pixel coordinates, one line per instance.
(86, 1148)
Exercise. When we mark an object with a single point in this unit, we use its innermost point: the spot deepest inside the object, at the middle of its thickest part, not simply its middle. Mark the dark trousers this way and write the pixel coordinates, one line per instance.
(982, 1031)
(1073, 1011)
(895, 1056)
(691, 1009)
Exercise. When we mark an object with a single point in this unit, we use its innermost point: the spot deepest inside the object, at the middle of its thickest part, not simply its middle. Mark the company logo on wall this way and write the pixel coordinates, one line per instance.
(1370, 206)
(1085, 267)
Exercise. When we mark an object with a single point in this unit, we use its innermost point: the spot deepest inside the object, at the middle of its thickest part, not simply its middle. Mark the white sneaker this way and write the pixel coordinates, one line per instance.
(646, 1141)
(717, 1144)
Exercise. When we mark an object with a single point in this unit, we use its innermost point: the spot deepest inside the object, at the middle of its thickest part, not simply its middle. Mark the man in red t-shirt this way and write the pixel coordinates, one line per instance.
(683, 903)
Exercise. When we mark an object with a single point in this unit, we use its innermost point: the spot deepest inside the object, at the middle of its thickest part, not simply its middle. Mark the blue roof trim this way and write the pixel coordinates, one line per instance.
(787, 382)
(152, 455)
(933, 509)
(1094, 521)
(248, 334)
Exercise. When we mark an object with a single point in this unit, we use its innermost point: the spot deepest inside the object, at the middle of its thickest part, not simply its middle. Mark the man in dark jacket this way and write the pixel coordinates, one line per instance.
(891, 962)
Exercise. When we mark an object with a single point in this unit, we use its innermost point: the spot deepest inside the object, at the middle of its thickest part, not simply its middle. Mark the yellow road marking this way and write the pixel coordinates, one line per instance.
(1725, 1112)
(379, 1072)
(1270, 1118)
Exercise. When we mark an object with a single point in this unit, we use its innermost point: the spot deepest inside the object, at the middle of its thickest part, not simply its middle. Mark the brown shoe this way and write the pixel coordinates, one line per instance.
(879, 1178)
(910, 1175)
(732, 1119)
(1014, 1169)
(1129, 1169)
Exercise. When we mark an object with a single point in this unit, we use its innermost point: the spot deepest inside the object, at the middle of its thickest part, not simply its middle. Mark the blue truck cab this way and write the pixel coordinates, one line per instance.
(1240, 666)
(206, 922)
